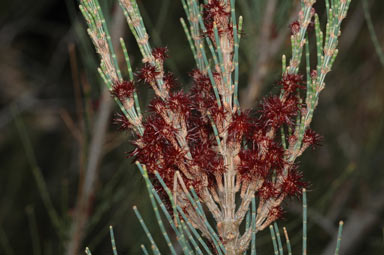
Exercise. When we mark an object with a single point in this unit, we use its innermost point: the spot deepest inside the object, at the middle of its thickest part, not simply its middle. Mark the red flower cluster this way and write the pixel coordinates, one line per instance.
(295, 27)
(178, 133)
(123, 90)
(216, 12)
(159, 149)
(239, 126)
(293, 183)
(292, 82)
(169, 81)
(203, 97)
(147, 73)
(275, 112)
(264, 156)
(121, 121)
(312, 138)
(160, 54)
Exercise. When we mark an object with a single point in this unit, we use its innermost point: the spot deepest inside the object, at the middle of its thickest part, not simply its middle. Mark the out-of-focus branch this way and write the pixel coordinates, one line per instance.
(268, 48)
(260, 69)
(87, 188)
(372, 32)
(358, 223)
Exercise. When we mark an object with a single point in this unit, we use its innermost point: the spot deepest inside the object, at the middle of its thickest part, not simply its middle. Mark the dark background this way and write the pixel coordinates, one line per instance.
(50, 97)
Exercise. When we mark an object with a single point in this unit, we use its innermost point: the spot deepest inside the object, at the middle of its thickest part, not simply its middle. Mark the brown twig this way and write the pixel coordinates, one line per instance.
(84, 201)
(268, 48)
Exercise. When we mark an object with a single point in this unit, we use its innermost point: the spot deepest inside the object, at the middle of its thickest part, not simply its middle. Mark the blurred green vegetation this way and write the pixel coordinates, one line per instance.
(50, 97)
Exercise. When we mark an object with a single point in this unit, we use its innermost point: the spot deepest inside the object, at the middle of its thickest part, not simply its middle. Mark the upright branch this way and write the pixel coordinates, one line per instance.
(198, 149)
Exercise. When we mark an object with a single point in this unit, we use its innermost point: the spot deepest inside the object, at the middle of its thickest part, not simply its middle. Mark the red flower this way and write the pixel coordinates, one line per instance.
(312, 138)
(239, 126)
(179, 103)
(216, 11)
(276, 213)
(252, 166)
(292, 82)
(275, 155)
(275, 113)
(293, 184)
(158, 105)
(201, 81)
(122, 121)
(202, 95)
(160, 54)
(207, 159)
(123, 90)
(147, 73)
(295, 27)
(268, 190)
(169, 81)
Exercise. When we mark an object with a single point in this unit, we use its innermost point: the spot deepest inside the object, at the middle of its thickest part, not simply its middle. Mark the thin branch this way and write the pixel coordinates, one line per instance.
(87, 189)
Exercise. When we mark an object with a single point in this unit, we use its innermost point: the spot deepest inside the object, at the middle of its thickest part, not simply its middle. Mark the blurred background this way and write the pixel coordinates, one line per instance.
(64, 175)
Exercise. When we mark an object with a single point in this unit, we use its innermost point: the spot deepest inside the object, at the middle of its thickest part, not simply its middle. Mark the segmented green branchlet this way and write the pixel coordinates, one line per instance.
(192, 10)
(319, 42)
(137, 27)
(127, 61)
(221, 64)
(278, 238)
(154, 247)
(247, 224)
(144, 250)
(176, 225)
(235, 54)
(155, 208)
(99, 24)
(273, 237)
(130, 112)
(215, 54)
(210, 75)
(215, 132)
(130, 74)
(132, 13)
(96, 23)
(337, 13)
(190, 42)
(253, 226)
(282, 131)
(199, 208)
(191, 239)
(175, 211)
(339, 234)
(218, 246)
(196, 234)
(307, 64)
(298, 39)
(87, 251)
(297, 43)
(195, 32)
(288, 242)
(305, 221)
(113, 242)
